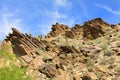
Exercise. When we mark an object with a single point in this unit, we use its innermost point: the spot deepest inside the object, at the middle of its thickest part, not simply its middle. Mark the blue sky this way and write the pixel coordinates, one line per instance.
(37, 16)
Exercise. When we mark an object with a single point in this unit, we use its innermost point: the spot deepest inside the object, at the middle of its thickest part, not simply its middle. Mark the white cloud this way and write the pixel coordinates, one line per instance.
(116, 12)
(54, 14)
(63, 3)
(7, 22)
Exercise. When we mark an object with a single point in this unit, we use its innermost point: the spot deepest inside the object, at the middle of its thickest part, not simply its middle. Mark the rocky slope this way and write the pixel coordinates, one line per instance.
(85, 52)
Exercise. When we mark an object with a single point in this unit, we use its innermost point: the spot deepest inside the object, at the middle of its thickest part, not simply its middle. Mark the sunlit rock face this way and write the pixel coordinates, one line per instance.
(83, 52)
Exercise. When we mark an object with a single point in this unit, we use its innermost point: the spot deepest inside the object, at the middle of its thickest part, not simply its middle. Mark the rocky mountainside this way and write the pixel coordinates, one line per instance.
(84, 52)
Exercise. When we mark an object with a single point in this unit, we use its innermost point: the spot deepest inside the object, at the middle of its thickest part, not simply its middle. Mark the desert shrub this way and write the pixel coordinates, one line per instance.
(76, 44)
(10, 70)
(104, 46)
(99, 75)
(40, 51)
(105, 61)
(90, 68)
(118, 43)
(61, 40)
(107, 37)
(90, 42)
(108, 52)
(45, 57)
(118, 70)
(13, 73)
(99, 40)
(111, 60)
(7, 55)
(90, 64)
(93, 42)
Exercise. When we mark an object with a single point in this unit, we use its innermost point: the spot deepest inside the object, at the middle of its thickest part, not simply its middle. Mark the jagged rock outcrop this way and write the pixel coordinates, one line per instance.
(95, 28)
(89, 30)
(57, 29)
(75, 32)
(24, 44)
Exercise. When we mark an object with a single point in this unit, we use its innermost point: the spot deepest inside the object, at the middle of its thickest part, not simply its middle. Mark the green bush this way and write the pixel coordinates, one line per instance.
(13, 73)
(7, 55)
(10, 70)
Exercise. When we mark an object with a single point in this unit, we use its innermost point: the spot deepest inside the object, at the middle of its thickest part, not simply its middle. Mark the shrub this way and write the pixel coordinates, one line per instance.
(118, 43)
(90, 64)
(108, 52)
(118, 70)
(61, 40)
(90, 42)
(10, 70)
(99, 75)
(13, 73)
(76, 44)
(104, 46)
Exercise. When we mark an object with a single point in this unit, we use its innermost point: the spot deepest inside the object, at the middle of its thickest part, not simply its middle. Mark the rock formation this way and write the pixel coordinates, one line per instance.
(89, 30)
(57, 29)
(90, 52)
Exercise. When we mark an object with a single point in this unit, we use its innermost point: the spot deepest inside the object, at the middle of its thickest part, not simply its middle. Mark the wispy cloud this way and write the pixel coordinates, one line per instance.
(46, 27)
(54, 14)
(51, 18)
(116, 12)
(63, 3)
(7, 22)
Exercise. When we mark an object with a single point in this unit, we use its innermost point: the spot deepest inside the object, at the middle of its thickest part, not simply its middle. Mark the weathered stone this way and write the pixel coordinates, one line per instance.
(27, 58)
(57, 29)
(50, 70)
(24, 44)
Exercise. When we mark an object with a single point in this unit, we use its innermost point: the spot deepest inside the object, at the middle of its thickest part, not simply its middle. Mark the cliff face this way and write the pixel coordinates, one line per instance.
(84, 52)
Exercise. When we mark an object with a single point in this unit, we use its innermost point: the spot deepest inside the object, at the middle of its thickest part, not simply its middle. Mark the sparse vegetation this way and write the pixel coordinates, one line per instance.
(90, 64)
(90, 42)
(45, 57)
(99, 75)
(118, 70)
(13, 73)
(118, 43)
(10, 70)
(104, 46)
(108, 52)
(61, 40)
